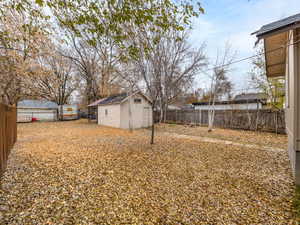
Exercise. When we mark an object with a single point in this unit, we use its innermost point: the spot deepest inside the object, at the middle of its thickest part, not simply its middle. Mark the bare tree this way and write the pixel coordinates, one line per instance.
(165, 63)
(57, 80)
(220, 85)
(180, 64)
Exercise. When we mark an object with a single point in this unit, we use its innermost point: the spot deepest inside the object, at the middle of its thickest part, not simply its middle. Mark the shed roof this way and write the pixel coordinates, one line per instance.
(115, 99)
(277, 25)
(96, 102)
(37, 104)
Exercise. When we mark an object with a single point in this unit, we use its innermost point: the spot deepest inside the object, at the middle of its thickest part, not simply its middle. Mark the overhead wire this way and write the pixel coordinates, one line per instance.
(250, 57)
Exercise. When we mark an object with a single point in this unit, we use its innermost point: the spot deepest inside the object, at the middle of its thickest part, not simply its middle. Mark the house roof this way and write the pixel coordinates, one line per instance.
(277, 25)
(37, 104)
(115, 99)
(276, 38)
(239, 99)
(231, 102)
(251, 96)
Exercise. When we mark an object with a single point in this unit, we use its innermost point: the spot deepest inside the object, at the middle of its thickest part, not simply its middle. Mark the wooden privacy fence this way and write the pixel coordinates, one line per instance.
(8, 133)
(255, 120)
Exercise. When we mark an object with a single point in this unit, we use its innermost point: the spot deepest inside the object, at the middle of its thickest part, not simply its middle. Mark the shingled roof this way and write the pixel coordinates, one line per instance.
(251, 96)
(96, 102)
(277, 25)
(239, 99)
(113, 99)
(41, 104)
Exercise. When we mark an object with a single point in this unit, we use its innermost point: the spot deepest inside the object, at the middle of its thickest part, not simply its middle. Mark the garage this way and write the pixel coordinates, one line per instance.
(36, 110)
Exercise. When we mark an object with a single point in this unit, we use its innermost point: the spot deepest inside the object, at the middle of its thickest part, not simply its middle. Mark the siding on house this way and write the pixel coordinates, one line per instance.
(42, 110)
(290, 107)
(249, 106)
(286, 62)
(293, 98)
(109, 115)
(26, 114)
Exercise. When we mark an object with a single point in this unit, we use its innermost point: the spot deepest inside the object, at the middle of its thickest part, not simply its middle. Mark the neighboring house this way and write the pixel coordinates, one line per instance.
(173, 107)
(282, 53)
(252, 101)
(37, 109)
(187, 107)
(258, 97)
(115, 110)
(170, 107)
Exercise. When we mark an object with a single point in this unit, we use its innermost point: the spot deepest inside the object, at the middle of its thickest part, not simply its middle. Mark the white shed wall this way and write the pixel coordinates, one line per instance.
(141, 113)
(112, 118)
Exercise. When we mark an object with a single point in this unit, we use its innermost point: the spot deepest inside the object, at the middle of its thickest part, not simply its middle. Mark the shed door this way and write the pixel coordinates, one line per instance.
(146, 117)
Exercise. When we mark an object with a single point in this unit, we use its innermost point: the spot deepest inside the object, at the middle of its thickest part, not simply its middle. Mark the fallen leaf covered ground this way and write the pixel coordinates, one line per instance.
(80, 173)
(241, 136)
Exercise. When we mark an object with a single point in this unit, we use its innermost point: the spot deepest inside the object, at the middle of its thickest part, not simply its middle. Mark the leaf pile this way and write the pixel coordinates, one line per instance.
(241, 136)
(80, 173)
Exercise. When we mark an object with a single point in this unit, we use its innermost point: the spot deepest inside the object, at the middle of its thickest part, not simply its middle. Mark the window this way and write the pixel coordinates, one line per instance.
(106, 112)
(137, 101)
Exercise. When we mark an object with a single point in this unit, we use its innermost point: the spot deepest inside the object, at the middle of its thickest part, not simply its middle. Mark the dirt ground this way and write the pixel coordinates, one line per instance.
(81, 173)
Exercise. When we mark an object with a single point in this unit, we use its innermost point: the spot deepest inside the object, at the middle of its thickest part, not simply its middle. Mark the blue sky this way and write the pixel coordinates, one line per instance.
(233, 21)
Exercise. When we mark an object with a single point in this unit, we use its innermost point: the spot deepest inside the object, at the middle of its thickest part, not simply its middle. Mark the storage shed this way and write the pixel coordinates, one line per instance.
(125, 111)
(38, 109)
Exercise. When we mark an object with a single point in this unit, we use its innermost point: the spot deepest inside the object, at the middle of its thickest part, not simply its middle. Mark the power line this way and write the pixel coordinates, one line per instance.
(250, 57)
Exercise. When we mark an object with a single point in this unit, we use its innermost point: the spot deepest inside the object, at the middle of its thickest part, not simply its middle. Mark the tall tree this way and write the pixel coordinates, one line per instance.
(180, 64)
(165, 63)
(57, 80)
(220, 84)
(20, 45)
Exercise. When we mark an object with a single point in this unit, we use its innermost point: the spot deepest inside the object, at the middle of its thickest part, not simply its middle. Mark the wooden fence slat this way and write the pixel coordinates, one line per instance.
(8, 133)
(256, 120)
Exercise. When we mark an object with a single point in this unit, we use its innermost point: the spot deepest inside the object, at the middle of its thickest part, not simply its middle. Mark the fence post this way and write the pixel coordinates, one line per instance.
(276, 122)
(8, 133)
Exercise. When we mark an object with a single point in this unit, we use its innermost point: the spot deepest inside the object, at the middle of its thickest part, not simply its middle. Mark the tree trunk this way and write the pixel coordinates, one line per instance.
(161, 114)
(130, 111)
(61, 114)
(211, 115)
(165, 112)
(152, 127)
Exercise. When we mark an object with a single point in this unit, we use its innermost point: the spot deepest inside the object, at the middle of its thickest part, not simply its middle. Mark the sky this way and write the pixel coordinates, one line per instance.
(233, 21)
